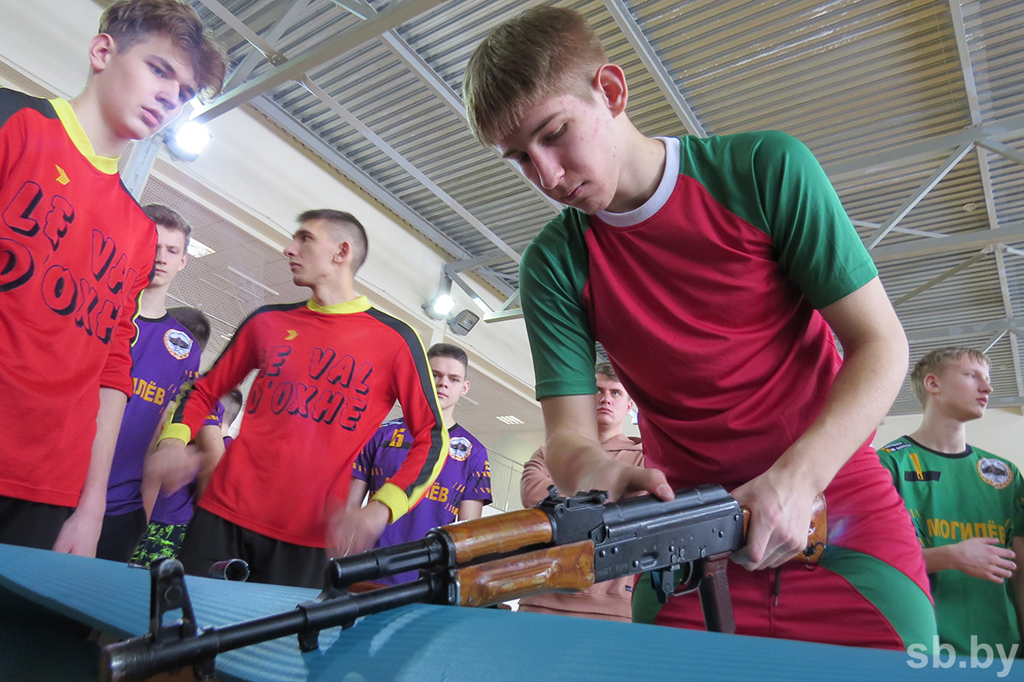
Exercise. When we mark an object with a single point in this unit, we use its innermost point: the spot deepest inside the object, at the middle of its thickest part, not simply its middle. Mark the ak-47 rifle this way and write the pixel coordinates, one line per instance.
(563, 544)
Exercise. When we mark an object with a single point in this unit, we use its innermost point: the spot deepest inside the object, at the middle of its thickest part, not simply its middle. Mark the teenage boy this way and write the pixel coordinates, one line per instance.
(464, 485)
(967, 505)
(165, 355)
(612, 599)
(714, 272)
(76, 252)
(330, 369)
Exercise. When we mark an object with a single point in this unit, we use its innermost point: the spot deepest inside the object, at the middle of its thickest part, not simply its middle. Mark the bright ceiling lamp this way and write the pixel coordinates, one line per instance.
(187, 141)
(442, 303)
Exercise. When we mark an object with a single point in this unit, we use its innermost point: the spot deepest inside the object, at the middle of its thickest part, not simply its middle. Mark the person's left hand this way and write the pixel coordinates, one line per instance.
(780, 515)
(356, 530)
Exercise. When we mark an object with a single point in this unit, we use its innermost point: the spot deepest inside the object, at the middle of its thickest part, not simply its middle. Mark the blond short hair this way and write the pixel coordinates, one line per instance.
(606, 369)
(935, 362)
(542, 52)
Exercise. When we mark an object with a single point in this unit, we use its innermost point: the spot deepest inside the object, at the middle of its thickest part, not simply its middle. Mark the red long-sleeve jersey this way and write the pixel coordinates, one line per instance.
(327, 378)
(76, 251)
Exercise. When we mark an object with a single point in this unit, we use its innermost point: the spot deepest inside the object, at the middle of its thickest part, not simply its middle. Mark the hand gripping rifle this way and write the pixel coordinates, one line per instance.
(562, 545)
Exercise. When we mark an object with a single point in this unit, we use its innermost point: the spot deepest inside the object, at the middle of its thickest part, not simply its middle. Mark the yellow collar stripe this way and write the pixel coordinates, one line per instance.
(358, 305)
(77, 134)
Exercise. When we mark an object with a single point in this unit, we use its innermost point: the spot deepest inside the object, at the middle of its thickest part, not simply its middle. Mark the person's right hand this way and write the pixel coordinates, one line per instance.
(983, 558)
(622, 480)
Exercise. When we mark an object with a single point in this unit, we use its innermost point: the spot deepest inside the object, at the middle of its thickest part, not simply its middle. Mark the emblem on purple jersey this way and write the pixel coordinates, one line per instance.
(459, 448)
(178, 343)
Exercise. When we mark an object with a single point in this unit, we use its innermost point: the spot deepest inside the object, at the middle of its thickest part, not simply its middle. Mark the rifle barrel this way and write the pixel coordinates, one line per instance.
(139, 658)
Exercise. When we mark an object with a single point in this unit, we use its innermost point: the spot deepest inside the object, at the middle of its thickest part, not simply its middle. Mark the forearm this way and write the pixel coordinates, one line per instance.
(108, 426)
(471, 509)
(356, 493)
(572, 447)
(211, 449)
(861, 394)
(81, 531)
(940, 559)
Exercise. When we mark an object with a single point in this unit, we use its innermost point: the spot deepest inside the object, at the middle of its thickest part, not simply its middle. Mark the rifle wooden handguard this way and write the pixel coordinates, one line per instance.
(564, 568)
(499, 534)
(817, 534)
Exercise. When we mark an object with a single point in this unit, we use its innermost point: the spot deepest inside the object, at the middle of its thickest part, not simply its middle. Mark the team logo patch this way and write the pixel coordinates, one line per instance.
(178, 343)
(459, 448)
(994, 472)
(896, 447)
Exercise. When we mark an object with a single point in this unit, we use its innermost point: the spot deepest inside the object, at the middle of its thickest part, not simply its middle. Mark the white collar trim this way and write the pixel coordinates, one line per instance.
(660, 196)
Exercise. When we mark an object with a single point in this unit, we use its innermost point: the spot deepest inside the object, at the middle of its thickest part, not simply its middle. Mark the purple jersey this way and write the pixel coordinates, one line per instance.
(466, 476)
(163, 358)
(176, 509)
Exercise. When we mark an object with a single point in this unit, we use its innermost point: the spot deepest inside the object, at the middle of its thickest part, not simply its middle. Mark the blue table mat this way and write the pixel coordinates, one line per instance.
(423, 643)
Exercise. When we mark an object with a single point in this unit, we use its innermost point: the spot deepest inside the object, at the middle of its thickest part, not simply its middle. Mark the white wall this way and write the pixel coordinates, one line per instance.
(1000, 431)
(254, 168)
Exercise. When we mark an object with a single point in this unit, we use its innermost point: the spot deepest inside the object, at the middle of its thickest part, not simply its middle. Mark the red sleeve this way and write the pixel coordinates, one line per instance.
(237, 360)
(413, 383)
(117, 373)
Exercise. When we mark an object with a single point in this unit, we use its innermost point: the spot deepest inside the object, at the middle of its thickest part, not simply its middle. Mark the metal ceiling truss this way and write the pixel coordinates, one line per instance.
(967, 70)
(638, 40)
(242, 91)
(395, 14)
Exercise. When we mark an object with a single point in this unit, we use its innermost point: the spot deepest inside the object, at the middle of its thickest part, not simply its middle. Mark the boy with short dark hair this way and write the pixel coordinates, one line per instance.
(464, 485)
(967, 505)
(713, 272)
(77, 251)
(165, 355)
(330, 369)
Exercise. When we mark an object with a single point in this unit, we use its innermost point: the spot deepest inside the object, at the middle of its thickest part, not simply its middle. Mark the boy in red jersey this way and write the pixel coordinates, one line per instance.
(711, 270)
(330, 369)
(75, 253)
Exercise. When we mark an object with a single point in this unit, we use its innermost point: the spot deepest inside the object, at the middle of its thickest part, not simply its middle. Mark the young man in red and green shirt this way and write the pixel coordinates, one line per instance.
(713, 271)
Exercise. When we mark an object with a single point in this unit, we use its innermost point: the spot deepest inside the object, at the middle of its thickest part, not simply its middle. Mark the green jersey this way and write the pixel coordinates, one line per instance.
(952, 498)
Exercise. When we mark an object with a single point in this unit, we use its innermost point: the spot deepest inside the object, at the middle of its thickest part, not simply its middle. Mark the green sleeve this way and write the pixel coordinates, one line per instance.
(552, 276)
(818, 245)
(1018, 502)
(771, 180)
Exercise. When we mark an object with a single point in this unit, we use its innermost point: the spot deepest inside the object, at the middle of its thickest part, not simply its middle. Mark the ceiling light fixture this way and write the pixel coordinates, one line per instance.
(187, 141)
(197, 249)
(442, 302)
(463, 322)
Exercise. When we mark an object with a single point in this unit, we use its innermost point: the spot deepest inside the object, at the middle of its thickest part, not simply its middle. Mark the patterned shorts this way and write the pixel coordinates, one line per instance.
(160, 540)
